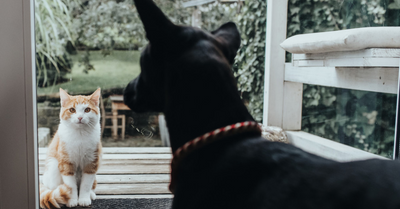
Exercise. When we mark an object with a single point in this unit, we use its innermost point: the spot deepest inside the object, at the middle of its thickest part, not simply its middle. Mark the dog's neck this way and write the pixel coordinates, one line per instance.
(200, 105)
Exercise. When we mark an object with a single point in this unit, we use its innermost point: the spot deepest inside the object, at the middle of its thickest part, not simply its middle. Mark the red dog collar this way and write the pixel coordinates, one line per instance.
(179, 154)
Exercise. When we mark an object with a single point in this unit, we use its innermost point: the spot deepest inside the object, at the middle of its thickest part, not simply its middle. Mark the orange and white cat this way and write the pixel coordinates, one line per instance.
(74, 154)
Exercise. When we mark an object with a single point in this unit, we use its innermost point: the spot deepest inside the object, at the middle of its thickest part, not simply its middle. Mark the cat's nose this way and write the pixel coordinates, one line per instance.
(80, 118)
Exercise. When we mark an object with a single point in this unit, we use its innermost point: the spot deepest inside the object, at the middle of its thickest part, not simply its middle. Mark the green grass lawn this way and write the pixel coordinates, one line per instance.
(113, 71)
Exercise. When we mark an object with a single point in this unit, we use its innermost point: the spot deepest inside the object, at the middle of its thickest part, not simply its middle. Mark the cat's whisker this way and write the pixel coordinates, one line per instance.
(91, 124)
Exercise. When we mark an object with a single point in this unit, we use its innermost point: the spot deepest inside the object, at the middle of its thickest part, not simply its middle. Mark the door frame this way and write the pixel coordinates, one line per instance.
(18, 126)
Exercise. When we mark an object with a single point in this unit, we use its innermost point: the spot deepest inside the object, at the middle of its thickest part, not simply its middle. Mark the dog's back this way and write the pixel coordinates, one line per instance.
(255, 173)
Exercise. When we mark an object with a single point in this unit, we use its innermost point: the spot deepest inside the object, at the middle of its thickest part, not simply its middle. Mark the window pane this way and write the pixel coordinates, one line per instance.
(361, 119)
(365, 120)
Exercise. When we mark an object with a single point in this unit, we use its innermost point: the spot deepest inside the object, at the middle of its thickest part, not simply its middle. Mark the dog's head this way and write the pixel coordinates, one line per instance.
(170, 47)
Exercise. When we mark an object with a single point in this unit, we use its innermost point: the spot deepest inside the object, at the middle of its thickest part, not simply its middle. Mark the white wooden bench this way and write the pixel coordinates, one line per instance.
(373, 69)
(130, 172)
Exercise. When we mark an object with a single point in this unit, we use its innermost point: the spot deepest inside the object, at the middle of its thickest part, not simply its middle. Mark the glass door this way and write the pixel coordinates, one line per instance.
(85, 45)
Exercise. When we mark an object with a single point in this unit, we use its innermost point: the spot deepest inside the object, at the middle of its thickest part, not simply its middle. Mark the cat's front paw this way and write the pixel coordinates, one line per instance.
(72, 203)
(85, 201)
(92, 195)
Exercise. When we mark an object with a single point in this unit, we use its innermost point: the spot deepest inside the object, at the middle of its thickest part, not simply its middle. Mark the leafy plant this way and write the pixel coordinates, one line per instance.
(109, 24)
(249, 65)
(53, 28)
(215, 14)
(308, 16)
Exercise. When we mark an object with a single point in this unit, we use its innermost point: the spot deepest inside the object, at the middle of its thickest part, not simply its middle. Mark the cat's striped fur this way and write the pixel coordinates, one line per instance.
(74, 155)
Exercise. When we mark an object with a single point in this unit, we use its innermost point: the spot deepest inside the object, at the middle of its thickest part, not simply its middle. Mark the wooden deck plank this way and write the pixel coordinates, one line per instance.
(128, 157)
(159, 196)
(128, 150)
(126, 189)
(126, 162)
(130, 179)
(129, 169)
(136, 156)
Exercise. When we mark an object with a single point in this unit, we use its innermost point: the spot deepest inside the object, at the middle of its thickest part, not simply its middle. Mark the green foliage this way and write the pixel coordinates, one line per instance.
(110, 24)
(53, 27)
(361, 119)
(215, 14)
(106, 24)
(308, 16)
(249, 65)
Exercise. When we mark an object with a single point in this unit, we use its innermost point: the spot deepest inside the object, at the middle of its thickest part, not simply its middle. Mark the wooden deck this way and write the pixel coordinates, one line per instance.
(130, 172)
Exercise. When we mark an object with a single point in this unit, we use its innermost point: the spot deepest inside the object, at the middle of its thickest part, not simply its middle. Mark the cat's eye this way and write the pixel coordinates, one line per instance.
(87, 109)
(72, 110)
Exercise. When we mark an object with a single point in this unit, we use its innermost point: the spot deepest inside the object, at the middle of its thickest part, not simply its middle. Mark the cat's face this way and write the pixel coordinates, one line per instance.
(80, 111)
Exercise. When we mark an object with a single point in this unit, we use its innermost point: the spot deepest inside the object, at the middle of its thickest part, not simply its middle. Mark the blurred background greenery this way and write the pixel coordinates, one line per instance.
(72, 34)
(85, 44)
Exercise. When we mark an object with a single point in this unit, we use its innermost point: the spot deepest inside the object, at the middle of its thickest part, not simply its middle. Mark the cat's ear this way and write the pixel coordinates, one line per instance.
(95, 97)
(64, 97)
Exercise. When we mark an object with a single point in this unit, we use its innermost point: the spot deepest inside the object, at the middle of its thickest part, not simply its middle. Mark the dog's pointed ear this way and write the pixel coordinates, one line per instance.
(157, 26)
(229, 36)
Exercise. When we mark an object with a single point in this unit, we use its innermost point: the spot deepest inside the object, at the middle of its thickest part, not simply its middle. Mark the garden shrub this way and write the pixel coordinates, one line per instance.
(53, 31)
(49, 73)
(110, 24)
(215, 14)
(250, 61)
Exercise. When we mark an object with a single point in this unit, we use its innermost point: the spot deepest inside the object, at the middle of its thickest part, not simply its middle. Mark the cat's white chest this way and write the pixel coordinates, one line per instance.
(81, 146)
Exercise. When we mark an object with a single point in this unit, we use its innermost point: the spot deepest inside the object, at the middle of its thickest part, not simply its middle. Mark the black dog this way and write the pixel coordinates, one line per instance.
(186, 73)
